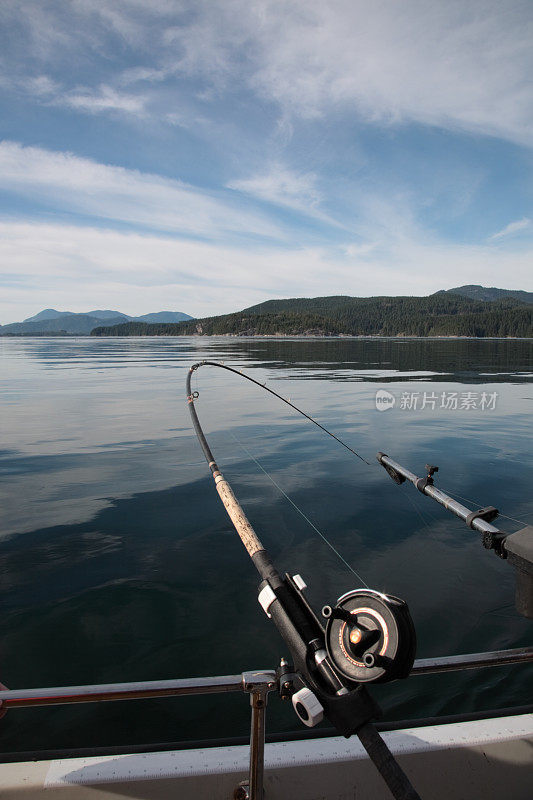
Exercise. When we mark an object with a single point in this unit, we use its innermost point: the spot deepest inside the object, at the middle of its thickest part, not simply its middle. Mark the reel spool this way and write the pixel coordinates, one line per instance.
(370, 636)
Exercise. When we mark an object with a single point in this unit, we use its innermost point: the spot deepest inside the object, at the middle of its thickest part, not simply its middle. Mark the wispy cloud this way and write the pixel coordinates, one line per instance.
(39, 86)
(286, 188)
(338, 112)
(103, 98)
(452, 65)
(448, 65)
(42, 86)
(281, 186)
(65, 181)
(513, 227)
(74, 267)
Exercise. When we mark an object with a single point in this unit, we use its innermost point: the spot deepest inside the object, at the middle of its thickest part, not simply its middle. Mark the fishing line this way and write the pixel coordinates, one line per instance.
(299, 510)
(194, 395)
(475, 503)
(520, 521)
(283, 399)
(419, 512)
(460, 497)
(330, 689)
(425, 523)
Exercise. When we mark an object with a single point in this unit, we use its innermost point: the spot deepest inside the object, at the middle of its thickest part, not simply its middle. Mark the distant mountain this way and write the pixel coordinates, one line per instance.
(162, 316)
(67, 323)
(441, 314)
(48, 313)
(77, 324)
(489, 294)
(108, 315)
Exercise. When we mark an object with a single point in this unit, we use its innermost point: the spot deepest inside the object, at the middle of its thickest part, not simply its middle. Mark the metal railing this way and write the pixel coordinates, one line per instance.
(257, 684)
(494, 658)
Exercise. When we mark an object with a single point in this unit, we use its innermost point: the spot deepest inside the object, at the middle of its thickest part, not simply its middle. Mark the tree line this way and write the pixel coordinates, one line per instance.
(437, 315)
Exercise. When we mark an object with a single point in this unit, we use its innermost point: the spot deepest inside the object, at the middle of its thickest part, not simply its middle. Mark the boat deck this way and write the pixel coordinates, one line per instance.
(486, 759)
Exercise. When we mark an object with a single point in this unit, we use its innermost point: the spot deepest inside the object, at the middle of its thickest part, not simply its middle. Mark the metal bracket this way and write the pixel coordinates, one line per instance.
(495, 541)
(259, 681)
(242, 791)
(258, 685)
(286, 677)
(396, 476)
(428, 480)
(488, 514)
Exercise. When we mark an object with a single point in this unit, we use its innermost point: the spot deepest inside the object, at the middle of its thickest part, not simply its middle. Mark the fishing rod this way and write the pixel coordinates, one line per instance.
(516, 547)
(368, 637)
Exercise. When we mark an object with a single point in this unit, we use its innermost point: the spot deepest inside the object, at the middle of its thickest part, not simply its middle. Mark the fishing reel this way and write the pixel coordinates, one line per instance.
(370, 636)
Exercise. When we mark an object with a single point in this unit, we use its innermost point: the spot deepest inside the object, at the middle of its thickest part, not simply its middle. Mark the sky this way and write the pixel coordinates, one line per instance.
(206, 156)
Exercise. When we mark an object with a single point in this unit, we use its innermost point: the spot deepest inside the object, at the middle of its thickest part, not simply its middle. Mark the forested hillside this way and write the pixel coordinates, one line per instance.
(476, 292)
(438, 315)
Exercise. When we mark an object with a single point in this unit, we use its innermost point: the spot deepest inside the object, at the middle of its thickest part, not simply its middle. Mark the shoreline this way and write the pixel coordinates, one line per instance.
(272, 336)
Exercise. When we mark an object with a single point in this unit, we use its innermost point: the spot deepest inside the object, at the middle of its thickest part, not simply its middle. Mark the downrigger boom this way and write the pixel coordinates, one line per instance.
(516, 547)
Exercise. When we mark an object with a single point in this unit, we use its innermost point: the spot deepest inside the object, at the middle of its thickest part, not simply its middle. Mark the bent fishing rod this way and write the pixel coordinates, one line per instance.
(368, 636)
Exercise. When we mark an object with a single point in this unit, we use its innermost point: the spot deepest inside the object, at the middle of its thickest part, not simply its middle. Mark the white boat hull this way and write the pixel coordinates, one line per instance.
(481, 759)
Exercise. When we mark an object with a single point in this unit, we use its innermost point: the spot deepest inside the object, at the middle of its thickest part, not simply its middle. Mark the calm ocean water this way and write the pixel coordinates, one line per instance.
(118, 563)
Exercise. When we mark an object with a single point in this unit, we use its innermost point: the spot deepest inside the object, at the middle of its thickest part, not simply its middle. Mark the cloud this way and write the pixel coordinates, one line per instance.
(64, 181)
(451, 65)
(42, 86)
(512, 227)
(65, 266)
(287, 188)
(248, 80)
(455, 65)
(281, 186)
(80, 266)
(104, 98)
(356, 250)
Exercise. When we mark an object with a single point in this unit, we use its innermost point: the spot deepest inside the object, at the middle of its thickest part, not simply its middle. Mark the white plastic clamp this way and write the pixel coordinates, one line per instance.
(308, 707)
(299, 581)
(266, 597)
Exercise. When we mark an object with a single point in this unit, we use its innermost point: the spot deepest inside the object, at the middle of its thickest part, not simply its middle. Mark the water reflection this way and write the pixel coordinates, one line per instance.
(464, 360)
(118, 562)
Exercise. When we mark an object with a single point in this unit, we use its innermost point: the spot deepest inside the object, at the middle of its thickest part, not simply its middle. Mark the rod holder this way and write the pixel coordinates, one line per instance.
(517, 547)
(258, 685)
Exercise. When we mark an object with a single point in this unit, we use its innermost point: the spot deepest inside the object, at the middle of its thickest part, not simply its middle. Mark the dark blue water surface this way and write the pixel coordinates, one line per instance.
(117, 560)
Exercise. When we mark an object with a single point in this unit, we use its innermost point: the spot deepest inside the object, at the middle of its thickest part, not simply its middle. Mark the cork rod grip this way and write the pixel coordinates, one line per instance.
(236, 514)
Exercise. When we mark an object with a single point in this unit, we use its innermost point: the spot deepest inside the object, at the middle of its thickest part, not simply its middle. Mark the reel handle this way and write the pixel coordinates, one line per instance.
(370, 637)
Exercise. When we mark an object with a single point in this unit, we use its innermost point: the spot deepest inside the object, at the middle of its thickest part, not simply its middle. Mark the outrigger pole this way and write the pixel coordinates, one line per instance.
(517, 547)
(369, 636)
